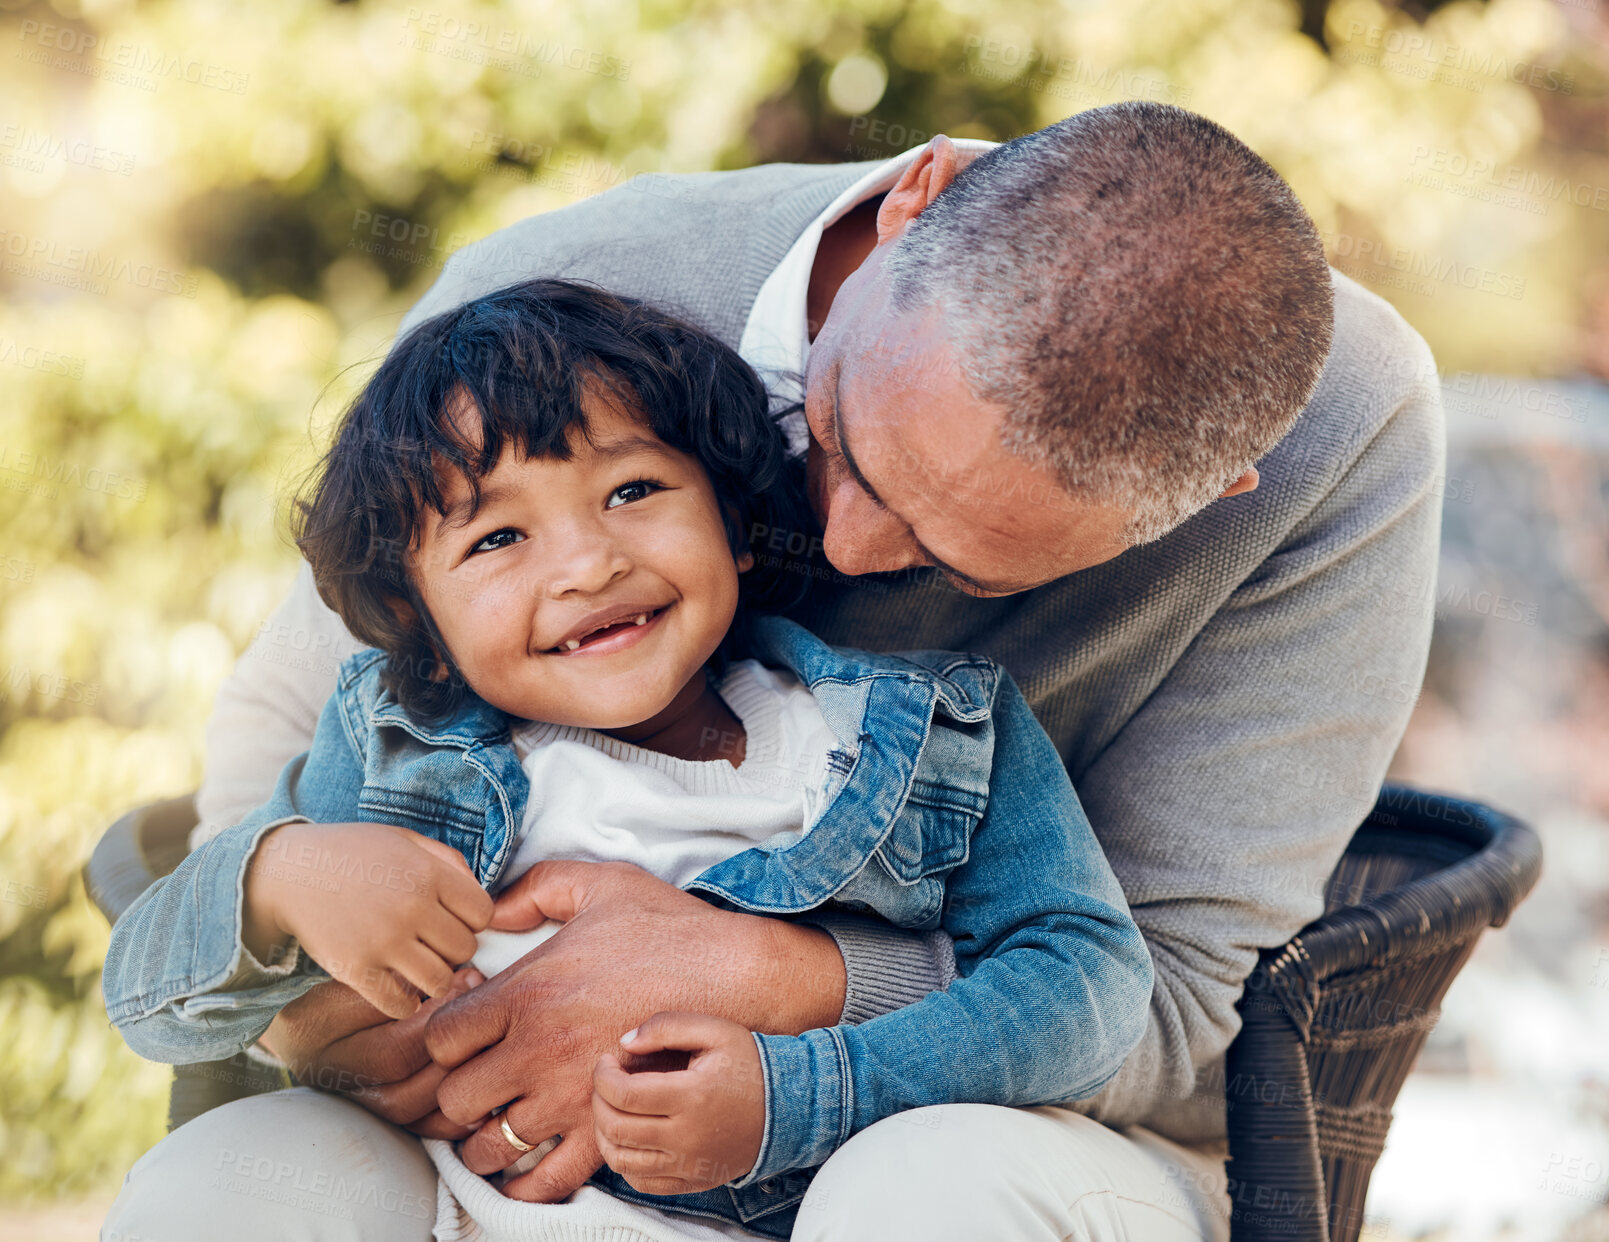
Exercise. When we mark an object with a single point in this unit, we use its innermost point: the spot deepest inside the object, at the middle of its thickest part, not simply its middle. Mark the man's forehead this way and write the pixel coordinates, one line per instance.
(936, 458)
(935, 447)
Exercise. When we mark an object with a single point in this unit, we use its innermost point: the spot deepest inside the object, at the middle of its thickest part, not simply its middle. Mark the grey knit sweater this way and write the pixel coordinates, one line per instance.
(1226, 699)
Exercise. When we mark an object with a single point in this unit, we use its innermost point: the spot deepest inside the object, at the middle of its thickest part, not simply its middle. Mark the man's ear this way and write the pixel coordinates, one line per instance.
(1245, 483)
(745, 561)
(918, 186)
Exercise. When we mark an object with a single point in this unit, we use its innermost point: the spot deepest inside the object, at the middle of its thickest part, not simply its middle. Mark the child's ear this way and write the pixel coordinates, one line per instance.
(403, 611)
(408, 617)
(742, 557)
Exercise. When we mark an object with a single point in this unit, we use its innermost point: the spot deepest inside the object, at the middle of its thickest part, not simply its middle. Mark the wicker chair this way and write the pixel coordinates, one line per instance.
(1332, 1021)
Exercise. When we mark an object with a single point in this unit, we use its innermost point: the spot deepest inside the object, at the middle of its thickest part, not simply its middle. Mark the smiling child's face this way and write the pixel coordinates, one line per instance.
(584, 592)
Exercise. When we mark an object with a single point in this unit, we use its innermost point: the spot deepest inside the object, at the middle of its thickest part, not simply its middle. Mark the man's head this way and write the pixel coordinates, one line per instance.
(1063, 349)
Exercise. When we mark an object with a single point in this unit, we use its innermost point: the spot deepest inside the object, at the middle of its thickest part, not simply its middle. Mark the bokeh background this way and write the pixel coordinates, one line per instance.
(213, 214)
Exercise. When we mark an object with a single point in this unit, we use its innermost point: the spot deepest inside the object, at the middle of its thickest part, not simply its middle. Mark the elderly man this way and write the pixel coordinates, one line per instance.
(1074, 402)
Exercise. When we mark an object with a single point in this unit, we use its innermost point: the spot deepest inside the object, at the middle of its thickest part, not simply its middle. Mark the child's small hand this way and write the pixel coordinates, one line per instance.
(386, 911)
(692, 1129)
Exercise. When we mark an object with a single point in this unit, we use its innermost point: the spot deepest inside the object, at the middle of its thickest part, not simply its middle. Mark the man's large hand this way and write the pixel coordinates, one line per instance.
(632, 946)
(335, 1040)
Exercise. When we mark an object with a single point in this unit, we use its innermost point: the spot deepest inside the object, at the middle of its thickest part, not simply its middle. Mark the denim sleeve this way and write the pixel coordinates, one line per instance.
(179, 982)
(1053, 985)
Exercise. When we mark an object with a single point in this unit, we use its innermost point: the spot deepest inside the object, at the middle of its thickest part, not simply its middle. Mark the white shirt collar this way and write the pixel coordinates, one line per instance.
(776, 337)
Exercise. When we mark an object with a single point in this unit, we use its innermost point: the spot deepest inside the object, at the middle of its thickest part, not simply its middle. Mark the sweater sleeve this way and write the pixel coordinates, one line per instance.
(1278, 724)
(885, 967)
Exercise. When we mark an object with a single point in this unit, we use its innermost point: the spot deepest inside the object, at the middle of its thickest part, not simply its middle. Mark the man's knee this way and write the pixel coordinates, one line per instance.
(930, 1173)
(289, 1165)
(968, 1171)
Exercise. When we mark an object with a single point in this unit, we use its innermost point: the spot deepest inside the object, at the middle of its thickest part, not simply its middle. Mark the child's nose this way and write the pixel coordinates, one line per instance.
(585, 562)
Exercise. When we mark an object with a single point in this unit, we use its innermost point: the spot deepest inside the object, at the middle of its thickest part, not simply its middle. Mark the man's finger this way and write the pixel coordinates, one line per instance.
(381, 1051)
(563, 1170)
(466, 1024)
(482, 1084)
(558, 888)
(488, 1149)
(434, 1125)
(331, 1012)
(402, 1103)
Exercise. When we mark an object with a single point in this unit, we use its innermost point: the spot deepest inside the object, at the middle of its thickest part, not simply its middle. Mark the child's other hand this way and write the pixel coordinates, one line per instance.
(692, 1129)
(386, 911)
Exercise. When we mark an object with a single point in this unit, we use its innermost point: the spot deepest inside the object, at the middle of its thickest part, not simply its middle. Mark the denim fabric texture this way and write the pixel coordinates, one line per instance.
(947, 808)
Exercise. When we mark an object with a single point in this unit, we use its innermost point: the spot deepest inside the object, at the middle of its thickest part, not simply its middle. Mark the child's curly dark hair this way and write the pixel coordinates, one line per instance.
(525, 355)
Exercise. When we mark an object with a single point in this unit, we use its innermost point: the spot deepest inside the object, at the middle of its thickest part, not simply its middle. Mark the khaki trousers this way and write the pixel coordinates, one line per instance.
(302, 1166)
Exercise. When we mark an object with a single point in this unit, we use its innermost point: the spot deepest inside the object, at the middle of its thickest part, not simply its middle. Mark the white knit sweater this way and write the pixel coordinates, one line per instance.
(597, 798)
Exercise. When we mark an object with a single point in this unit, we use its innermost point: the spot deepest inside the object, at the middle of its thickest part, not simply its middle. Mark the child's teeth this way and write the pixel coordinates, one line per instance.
(642, 618)
(571, 644)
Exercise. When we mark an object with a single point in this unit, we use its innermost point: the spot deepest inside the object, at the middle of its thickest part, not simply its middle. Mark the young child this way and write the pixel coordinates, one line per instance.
(537, 513)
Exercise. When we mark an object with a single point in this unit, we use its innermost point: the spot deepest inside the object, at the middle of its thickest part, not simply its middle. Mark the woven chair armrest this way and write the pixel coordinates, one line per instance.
(1434, 912)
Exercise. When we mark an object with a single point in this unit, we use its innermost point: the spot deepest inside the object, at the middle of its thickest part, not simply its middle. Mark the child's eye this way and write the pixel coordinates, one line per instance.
(626, 493)
(497, 539)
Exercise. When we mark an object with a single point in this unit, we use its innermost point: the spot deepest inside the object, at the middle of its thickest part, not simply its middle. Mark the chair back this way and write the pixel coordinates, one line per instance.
(1334, 1020)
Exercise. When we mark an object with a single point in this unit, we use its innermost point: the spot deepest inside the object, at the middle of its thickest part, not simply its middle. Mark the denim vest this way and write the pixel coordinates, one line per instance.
(946, 808)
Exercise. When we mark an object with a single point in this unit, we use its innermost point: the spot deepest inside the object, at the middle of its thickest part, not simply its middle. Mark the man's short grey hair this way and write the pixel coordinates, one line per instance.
(1143, 294)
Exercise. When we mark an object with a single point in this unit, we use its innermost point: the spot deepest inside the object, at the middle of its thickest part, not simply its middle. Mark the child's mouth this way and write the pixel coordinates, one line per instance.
(615, 636)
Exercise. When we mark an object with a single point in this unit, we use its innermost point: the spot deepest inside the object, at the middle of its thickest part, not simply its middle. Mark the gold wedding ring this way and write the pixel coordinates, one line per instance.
(514, 1140)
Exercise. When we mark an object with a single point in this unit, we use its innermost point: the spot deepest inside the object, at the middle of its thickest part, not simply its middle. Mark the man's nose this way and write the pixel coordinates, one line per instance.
(862, 537)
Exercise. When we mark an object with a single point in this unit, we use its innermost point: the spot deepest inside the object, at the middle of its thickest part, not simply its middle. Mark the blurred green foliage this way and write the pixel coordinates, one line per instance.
(214, 214)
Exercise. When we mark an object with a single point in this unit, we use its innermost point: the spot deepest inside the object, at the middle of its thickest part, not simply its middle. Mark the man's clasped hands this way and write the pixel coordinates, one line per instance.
(675, 1100)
